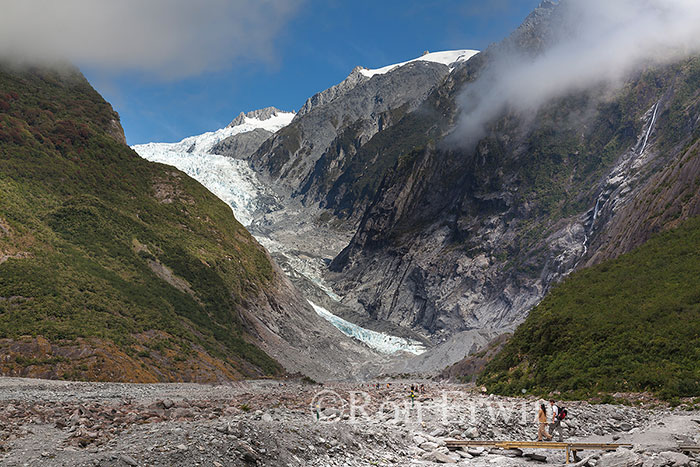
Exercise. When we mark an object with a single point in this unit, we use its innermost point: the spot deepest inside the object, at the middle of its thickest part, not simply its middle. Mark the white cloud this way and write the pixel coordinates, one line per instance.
(595, 42)
(167, 38)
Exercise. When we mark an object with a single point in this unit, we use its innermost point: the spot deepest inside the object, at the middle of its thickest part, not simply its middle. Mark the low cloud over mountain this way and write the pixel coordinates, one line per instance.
(166, 38)
(595, 42)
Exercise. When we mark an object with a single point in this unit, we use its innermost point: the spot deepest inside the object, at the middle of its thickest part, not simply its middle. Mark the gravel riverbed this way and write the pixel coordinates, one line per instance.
(272, 423)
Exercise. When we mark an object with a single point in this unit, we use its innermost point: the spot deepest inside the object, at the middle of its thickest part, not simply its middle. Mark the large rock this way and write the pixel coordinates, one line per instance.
(440, 457)
(676, 459)
(620, 458)
(472, 432)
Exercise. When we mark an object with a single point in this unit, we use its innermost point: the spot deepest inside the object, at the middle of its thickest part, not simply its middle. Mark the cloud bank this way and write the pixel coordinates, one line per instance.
(595, 42)
(166, 38)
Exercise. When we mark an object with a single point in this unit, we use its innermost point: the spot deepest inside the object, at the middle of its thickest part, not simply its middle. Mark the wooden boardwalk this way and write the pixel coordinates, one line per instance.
(570, 448)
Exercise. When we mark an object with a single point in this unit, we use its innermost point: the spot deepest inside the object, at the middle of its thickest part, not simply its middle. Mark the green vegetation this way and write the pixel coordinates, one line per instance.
(105, 245)
(629, 324)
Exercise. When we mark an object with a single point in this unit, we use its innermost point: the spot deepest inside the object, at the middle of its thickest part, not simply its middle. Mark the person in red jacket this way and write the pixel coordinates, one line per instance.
(556, 421)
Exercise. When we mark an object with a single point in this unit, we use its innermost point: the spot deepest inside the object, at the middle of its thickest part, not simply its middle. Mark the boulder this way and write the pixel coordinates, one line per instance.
(429, 446)
(128, 460)
(476, 451)
(439, 457)
(472, 432)
(676, 459)
(464, 454)
(620, 458)
(418, 440)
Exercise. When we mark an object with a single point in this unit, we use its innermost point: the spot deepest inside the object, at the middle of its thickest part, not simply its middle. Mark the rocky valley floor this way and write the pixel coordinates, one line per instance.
(273, 423)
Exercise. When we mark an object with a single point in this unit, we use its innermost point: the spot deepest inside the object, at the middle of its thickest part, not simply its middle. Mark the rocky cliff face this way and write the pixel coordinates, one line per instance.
(245, 143)
(334, 124)
(457, 239)
(242, 145)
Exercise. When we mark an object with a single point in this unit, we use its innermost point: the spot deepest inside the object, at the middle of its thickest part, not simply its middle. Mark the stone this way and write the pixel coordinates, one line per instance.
(472, 433)
(464, 454)
(418, 440)
(128, 460)
(429, 446)
(583, 462)
(513, 452)
(437, 456)
(267, 418)
(620, 458)
(675, 458)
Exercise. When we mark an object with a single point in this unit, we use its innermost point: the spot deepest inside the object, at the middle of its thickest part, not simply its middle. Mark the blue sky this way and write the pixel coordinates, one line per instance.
(315, 46)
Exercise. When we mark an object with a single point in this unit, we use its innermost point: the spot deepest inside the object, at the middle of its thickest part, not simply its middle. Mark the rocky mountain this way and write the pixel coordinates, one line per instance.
(247, 141)
(116, 268)
(296, 231)
(309, 155)
(460, 238)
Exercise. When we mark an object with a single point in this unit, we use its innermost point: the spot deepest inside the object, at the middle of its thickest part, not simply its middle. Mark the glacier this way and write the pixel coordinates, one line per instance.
(230, 179)
(379, 341)
(234, 182)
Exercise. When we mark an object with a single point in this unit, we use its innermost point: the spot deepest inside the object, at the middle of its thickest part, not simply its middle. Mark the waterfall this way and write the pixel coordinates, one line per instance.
(651, 126)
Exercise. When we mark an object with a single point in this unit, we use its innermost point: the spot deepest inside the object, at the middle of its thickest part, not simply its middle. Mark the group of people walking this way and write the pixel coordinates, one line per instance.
(555, 424)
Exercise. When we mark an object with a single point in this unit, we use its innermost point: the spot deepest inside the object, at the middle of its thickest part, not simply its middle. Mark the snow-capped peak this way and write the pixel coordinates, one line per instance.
(260, 114)
(448, 57)
(270, 121)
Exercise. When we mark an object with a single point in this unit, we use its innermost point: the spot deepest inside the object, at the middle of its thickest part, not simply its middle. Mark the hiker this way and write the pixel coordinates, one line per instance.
(556, 421)
(542, 423)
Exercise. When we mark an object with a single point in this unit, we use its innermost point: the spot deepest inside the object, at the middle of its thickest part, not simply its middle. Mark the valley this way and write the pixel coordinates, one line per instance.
(427, 251)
